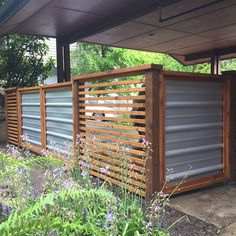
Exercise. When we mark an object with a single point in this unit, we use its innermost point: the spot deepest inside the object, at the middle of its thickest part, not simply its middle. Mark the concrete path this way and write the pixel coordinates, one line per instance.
(215, 205)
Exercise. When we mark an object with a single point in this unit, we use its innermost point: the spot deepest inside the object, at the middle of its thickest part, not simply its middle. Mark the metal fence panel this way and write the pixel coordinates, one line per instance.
(31, 128)
(194, 129)
(59, 124)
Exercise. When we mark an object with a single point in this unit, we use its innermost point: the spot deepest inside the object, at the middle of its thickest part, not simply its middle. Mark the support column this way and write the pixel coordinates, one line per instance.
(63, 62)
(152, 123)
(231, 75)
(215, 65)
(67, 62)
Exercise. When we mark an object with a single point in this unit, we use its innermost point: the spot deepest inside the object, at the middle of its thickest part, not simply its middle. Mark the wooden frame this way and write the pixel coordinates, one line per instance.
(206, 181)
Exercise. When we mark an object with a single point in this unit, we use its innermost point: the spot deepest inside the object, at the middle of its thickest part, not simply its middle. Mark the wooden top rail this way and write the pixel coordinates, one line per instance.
(131, 71)
(10, 89)
(50, 86)
(191, 74)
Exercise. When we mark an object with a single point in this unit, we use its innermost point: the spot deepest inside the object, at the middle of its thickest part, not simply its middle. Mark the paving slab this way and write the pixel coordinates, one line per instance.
(215, 205)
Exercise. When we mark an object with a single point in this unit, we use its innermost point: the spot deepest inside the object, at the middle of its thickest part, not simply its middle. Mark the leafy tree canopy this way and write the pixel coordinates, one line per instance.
(22, 62)
(90, 58)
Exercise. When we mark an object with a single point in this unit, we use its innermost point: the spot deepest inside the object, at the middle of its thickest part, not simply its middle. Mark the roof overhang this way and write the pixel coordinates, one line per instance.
(190, 31)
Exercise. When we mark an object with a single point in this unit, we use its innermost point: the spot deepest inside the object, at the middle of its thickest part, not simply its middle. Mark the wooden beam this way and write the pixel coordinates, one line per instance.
(209, 53)
(66, 58)
(19, 117)
(63, 62)
(123, 16)
(229, 76)
(152, 132)
(215, 65)
(43, 118)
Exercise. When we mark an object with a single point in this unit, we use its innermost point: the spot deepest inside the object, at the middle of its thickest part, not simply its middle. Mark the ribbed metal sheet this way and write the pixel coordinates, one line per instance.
(194, 126)
(59, 123)
(31, 118)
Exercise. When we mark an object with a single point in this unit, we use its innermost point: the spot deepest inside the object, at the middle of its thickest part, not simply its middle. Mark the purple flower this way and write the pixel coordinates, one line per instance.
(97, 180)
(58, 171)
(84, 173)
(144, 142)
(21, 170)
(105, 170)
(7, 209)
(127, 149)
(43, 152)
(84, 165)
(110, 217)
(94, 139)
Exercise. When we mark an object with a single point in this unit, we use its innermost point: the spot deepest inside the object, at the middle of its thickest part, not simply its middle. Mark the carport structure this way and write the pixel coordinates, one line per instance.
(190, 31)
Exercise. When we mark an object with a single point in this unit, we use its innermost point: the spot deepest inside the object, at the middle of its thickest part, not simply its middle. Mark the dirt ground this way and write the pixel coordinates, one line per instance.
(188, 225)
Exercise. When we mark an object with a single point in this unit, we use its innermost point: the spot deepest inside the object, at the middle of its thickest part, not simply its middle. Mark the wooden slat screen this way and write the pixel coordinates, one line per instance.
(112, 124)
(12, 118)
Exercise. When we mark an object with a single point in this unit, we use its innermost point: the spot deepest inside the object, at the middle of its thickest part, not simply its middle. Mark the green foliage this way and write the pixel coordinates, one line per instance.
(70, 201)
(69, 212)
(90, 58)
(22, 61)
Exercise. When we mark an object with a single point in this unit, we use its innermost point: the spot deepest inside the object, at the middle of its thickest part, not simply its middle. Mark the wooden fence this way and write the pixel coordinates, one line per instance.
(116, 112)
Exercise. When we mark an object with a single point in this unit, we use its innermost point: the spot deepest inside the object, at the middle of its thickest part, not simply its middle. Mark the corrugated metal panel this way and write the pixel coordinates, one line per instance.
(193, 145)
(59, 123)
(31, 118)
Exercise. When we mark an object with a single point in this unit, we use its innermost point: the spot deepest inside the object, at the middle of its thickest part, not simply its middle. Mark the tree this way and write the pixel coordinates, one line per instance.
(90, 58)
(22, 62)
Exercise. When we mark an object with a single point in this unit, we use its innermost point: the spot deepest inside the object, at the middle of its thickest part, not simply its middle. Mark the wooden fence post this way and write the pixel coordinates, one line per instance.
(75, 110)
(229, 77)
(19, 117)
(153, 131)
(43, 118)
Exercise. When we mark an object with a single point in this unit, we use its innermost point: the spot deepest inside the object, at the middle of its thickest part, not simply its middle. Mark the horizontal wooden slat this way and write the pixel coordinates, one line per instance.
(138, 121)
(114, 133)
(11, 95)
(12, 128)
(116, 148)
(120, 169)
(13, 138)
(109, 98)
(12, 125)
(139, 113)
(12, 119)
(111, 160)
(113, 126)
(98, 149)
(11, 105)
(13, 142)
(109, 138)
(119, 183)
(119, 177)
(141, 105)
(123, 90)
(110, 83)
